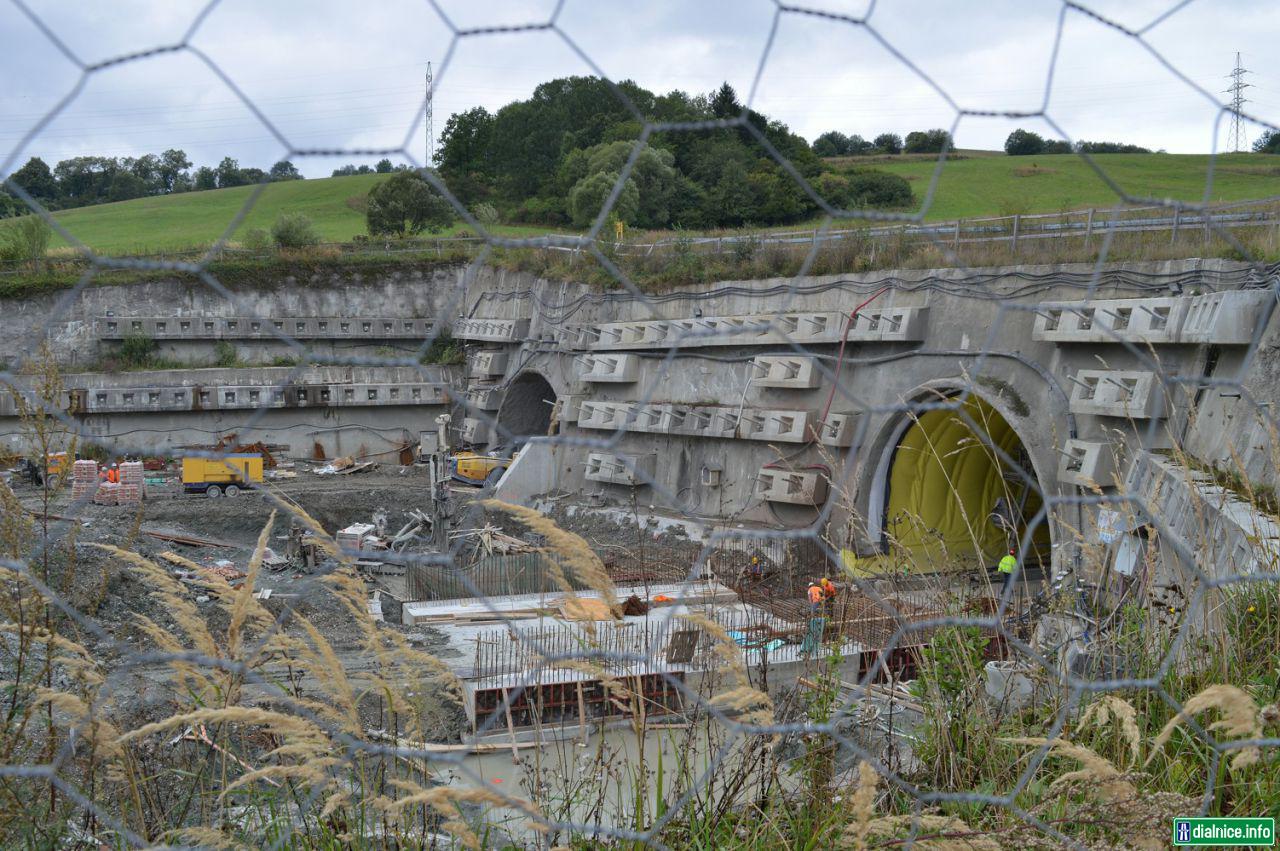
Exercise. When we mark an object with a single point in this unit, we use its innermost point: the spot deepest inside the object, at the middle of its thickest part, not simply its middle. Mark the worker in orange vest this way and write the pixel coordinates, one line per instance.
(113, 475)
(828, 588)
(816, 597)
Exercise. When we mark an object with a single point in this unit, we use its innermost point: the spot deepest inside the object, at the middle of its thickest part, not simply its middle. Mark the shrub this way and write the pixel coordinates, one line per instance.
(224, 354)
(444, 351)
(878, 189)
(486, 214)
(26, 240)
(294, 230)
(137, 351)
(256, 239)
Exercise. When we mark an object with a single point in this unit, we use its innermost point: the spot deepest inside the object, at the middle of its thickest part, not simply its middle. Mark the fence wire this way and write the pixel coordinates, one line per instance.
(86, 667)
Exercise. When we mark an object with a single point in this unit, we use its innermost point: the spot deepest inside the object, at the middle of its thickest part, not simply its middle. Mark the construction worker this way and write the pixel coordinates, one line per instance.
(817, 623)
(816, 598)
(828, 588)
(757, 572)
(1006, 566)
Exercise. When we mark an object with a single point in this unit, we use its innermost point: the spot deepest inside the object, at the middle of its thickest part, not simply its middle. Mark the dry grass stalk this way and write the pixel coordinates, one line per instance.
(1112, 708)
(863, 807)
(1240, 718)
(445, 800)
(1107, 782)
(934, 832)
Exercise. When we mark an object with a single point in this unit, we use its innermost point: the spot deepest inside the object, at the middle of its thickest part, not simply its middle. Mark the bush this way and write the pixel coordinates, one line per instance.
(25, 240)
(486, 214)
(1268, 143)
(256, 239)
(872, 188)
(137, 351)
(444, 351)
(294, 230)
(224, 354)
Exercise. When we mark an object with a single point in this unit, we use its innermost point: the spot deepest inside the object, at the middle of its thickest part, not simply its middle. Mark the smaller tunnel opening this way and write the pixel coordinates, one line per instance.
(526, 410)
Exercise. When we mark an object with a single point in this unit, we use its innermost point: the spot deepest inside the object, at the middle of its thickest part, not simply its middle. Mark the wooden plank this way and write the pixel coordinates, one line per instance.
(188, 540)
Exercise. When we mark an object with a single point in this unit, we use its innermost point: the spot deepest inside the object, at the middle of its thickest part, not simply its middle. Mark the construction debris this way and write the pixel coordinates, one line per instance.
(491, 541)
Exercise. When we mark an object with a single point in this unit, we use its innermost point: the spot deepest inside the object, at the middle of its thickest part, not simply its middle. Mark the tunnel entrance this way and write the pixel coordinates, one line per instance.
(526, 410)
(944, 499)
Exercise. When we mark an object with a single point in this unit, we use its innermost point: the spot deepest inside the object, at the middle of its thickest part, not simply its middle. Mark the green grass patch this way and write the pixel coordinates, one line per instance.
(193, 220)
(1000, 185)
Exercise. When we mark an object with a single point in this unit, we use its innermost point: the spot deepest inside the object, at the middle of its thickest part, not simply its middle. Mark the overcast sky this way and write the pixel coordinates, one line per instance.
(341, 74)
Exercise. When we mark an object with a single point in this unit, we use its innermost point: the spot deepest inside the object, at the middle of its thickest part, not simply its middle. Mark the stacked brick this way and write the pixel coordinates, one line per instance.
(107, 493)
(84, 480)
(131, 483)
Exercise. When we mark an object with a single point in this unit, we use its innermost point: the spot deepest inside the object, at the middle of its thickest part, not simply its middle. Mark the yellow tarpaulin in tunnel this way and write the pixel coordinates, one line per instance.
(944, 483)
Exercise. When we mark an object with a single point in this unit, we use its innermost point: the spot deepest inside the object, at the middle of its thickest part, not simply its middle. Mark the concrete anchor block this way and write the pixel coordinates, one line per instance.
(620, 469)
(791, 372)
(838, 429)
(1085, 463)
(1116, 393)
(611, 369)
(1011, 685)
(796, 487)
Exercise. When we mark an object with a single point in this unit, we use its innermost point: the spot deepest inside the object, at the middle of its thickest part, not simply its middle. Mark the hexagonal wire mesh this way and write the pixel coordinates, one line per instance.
(328, 747)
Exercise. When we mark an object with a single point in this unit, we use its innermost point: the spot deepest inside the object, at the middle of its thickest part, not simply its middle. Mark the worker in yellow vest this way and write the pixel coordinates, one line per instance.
(1007, 566)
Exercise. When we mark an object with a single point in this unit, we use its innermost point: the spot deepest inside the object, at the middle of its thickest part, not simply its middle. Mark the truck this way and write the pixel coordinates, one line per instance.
(54, 468)
(226, 475)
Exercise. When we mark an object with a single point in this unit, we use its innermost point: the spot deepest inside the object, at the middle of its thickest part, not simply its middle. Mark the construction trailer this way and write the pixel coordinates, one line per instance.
(226, 475)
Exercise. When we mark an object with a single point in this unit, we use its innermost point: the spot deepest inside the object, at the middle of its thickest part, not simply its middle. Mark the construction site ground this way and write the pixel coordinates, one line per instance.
(112, 597)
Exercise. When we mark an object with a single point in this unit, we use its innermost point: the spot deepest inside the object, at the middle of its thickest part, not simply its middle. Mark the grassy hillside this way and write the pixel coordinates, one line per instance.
(981, 184)
(196, 219)
(191, 219)
(999, 185)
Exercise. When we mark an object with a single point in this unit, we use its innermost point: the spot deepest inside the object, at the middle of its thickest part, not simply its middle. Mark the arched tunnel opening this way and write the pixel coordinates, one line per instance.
(949, 500)
(526, 410)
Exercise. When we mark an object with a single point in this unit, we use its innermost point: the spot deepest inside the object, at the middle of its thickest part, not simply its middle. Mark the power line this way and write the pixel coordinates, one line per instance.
(1235, 136)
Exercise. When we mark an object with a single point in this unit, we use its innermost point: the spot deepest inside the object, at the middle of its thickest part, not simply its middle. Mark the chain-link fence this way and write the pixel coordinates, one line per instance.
(945, 557)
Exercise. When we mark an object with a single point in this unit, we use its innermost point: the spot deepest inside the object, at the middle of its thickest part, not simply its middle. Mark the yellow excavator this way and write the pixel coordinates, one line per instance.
(475, 469)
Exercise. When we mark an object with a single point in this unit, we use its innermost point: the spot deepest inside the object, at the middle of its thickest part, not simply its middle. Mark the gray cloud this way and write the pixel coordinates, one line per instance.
(338, 74)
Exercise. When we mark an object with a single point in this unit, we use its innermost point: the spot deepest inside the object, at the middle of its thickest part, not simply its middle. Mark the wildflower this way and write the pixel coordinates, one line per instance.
(1251, 609)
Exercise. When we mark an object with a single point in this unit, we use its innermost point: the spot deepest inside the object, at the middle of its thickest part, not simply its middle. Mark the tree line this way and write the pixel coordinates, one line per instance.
(833, 143)
(84, 181)
(555, 159)
(1021, 143)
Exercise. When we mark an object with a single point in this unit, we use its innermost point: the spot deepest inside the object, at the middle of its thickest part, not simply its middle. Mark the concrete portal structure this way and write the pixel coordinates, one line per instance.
(765, 405)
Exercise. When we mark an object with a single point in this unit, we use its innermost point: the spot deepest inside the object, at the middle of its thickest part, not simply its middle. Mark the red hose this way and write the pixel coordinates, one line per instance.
(844, 336)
